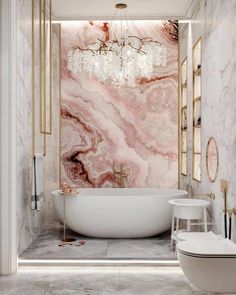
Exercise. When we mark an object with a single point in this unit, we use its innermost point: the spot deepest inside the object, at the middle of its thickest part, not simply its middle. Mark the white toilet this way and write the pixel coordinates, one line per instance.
(209, 262)
(186, 236)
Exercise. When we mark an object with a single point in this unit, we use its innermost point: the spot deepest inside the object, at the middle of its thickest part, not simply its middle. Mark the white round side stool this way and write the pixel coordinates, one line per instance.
(188, 209)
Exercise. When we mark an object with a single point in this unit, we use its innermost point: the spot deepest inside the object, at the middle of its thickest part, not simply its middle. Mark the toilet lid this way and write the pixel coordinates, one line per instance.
(185, 236)
(208, 248)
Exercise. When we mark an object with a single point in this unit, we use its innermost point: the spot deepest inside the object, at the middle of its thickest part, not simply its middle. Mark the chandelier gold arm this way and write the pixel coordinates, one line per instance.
(123, 57)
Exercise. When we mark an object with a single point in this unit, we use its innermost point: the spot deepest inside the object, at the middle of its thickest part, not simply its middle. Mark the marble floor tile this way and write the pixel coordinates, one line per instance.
(155, 288)
(158, 281)
(140, 248)
(83, 287)
(49, 245)
(46, 246)
(149, 274)
(96, 281)
(22, 288)
(86, 282)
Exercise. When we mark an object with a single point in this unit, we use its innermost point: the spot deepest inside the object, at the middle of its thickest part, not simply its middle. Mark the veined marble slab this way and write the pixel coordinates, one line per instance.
(136, 126)
(48, 245)
(98, 281)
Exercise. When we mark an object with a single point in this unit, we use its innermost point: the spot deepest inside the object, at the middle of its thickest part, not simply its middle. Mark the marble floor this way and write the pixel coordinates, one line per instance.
(48, 246)
(98, 281)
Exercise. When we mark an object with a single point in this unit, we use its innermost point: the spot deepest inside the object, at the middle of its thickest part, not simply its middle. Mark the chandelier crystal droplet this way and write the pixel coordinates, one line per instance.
(122, 60)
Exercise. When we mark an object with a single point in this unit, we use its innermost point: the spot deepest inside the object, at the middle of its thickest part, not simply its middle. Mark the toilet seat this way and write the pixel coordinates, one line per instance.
(207, 248)
(186, 236)
(210, 265)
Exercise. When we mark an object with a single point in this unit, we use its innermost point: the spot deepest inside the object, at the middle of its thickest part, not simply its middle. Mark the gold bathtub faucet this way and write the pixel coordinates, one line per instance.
(231, 211)
(212, 196)
(122, 175)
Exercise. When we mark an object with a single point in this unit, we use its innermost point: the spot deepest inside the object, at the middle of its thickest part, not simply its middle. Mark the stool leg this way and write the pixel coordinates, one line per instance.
(177, 228)
(172, 229)
(205, 219)
(188, 225)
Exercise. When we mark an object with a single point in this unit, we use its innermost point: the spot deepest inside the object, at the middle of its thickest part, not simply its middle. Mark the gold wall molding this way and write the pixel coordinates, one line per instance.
(183, 112)
(45, 29)
(45, 40)
(33, 80)
(45, 73)
(60, 104)
(196, 111)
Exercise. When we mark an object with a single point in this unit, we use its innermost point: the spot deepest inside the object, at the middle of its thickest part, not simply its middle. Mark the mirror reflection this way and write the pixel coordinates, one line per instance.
(212, 159)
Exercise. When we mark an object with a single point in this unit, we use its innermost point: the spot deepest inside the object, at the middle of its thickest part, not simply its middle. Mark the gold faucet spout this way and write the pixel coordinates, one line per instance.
(122, 175)
(232, 211)
(212, 196)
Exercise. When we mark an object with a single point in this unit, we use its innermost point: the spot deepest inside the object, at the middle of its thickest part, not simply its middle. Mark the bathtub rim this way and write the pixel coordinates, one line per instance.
(124, 192)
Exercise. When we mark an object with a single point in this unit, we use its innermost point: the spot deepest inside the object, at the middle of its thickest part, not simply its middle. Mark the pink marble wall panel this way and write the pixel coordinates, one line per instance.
(102, 123)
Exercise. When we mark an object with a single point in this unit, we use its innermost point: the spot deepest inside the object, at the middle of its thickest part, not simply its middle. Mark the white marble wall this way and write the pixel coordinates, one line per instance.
(30, 223)
(52, 159)
(215, 22)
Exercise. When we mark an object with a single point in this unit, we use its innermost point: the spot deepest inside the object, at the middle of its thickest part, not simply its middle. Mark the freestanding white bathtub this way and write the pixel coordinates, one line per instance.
(117, 212)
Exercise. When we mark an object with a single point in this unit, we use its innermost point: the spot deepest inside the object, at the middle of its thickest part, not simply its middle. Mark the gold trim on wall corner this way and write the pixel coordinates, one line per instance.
(33, 80)
(43, 71)
(179, 167)
(194, 99)
(183, 83)
(42, 75)
(51, 64)
(60, 103)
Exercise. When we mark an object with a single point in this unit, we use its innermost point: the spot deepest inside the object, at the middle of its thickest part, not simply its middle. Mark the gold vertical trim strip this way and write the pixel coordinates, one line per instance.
(44, 80)
(41, 68)
(41, 38)
(44, 66)
(33, 82)
(60, 104)
(192, 118)
(185, 61)
(199, 41)
(43, 72)
(43, 60)
(40, 61)
(51, 65)
(178, 111)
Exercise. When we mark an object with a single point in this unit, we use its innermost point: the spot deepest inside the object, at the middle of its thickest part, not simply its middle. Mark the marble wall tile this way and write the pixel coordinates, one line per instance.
(30, 223)
(52, 159)
(214, 21)
(102, 123)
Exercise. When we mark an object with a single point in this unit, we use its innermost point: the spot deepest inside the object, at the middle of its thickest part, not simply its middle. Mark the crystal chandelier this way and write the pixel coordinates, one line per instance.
(121, 59)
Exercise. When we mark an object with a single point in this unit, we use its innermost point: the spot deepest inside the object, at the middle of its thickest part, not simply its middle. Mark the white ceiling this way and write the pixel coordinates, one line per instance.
(137, 9)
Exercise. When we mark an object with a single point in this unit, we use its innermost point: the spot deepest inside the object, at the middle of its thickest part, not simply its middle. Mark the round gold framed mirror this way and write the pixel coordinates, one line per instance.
(212, 159)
